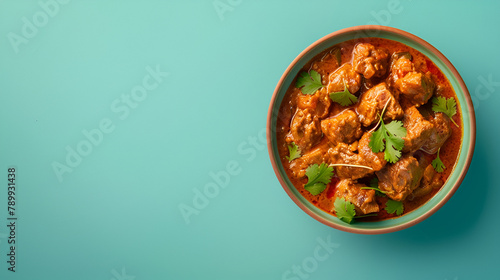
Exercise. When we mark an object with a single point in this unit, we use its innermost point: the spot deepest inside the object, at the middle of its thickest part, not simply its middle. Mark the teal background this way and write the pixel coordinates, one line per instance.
(116, 215)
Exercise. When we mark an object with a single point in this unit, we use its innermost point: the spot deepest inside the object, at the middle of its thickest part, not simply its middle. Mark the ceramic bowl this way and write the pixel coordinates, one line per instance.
(464, 104)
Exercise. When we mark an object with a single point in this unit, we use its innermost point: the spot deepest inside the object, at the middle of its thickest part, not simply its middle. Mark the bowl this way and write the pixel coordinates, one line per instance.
(464, 104)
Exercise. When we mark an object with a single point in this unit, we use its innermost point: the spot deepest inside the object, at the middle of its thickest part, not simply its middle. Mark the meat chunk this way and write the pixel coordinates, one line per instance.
(305, 129)
(370, 61)
(344, 75)
(344, 127)
(418, 130)
(416, 87)
(327, 63)
(439, 135)
(372, 103)
(316, 155)
(374, 160)
(344, 154)
(318, 103)
(363, 200)
(430, 180)
(400, 66)
(400, 179)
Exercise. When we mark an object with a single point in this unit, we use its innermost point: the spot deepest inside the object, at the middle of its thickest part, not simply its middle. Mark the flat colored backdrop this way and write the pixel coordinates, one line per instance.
(136, 129)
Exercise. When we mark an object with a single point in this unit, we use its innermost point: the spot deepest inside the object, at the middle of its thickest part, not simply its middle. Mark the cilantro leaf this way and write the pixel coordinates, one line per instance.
(344, 98)
(319, 173)
(309, 82)
(392, 134)
(374, 182)
(392, 206)
(396, 128)
(318, 176)
(444, 105)
(393, 147)
(344, 210)
(294, 151)
(448, 106)
(437, 163)
(377, 143)
(315, 188)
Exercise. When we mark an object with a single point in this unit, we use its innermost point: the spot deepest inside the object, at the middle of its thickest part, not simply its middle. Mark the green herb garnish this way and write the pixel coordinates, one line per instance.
(437, 163)
(294, 151)
(344, 210)
(389, 138)
(392, 206)
(448, 106)
(318, 177)
(344, 98)
(309, 82)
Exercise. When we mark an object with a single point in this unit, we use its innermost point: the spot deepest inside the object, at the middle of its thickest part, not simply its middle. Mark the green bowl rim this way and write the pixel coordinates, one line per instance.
(466, 151)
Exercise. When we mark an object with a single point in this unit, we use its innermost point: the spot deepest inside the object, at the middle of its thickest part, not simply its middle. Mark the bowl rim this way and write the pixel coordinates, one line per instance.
(469, 110)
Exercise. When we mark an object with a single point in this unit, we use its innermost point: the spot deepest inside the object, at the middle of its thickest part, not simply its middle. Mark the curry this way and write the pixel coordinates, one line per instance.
(369, 130)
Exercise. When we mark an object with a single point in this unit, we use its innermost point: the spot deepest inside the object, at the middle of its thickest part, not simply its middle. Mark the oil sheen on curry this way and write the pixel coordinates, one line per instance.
(369, 130)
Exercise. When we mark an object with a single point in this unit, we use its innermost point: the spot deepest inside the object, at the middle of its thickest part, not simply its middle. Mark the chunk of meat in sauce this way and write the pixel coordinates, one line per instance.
(326, 64)
(418, 130)
(374, 160)
(344, 127)
(363, 199)
(315, 102)
(439, 135)
(400, 179)
(430, 180)
(399, 68)
(416, 87)
(372, 103)
(370, 61)
(344, 75)
(305, 129)
(317, 155)
(344, 154)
